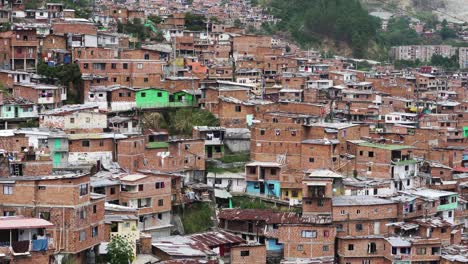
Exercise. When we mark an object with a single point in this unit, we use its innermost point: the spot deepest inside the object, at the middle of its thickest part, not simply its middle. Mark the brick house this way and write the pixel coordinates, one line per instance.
(308, 242)
(133, 73)
(361, 226)
(66, 202)
(377, 160)
(243, 254)
(150, 194)
(93, 148)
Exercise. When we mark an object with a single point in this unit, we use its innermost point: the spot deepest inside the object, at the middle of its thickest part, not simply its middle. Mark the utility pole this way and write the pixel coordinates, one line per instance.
(174, 57)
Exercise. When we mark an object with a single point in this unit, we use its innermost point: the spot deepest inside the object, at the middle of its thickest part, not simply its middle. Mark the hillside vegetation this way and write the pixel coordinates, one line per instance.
(308, 21)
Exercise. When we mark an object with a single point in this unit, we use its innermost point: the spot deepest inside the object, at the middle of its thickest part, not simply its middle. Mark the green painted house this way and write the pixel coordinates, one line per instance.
(18, 111)
(183, 99)
(152, 98)
(159, 98)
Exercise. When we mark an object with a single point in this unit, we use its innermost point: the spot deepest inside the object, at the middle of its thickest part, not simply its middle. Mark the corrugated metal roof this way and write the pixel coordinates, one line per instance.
(359, 200)
(271, 217)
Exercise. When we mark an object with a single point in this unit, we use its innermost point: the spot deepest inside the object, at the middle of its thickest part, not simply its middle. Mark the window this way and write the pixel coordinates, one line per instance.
(94, 209)
(159, 185)
(72, 120)
(145, 80)
(159, 94)
(218, 181)
(405, 251)
(83, 189)
(361, 153)
(245, 253)
(311, 160)
(300, 247)
(273, 171)
(85, 143)
(325, 248)
(85, 65)
(160, 216)
(143, 94)
(454, 199)
(371, 154)
(127, 79)
(82, 235)
(44, 215)
(140, 66)
(7, 189)
(8, 213)
(358, 227)
(125, 66)
(82, 213)
(238, 108)
(339, 227)
(160, 202)
(112, 190)
(326, 233)
(294, 194)
(435, 250)
(262, 132)
(343, 212)
(120, 94)
(114, 65)
(350, 247)
(94, 231)
(277, 132)
(140, 187)
(421, 251)
(101, 143)
(372, 247)
(320, 203)
(88, 120)
(309, 233)
(99, 66)
(358, 211)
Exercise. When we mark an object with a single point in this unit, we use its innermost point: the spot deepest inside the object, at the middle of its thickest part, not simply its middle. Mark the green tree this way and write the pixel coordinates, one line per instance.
(237, 23)
(68, 75)
(195, 22)
(447, 33)
(120, 251)
(446, 63)
(155, 19)
(309, 21)
(183, 120)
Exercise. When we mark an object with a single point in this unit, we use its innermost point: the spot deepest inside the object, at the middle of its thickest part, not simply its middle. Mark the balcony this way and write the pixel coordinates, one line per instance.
(24, 43)
(20, 236)
(214, 141)
(46, 100)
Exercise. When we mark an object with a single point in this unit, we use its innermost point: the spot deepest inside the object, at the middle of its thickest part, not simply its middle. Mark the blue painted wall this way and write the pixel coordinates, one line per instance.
(271, 245)
(251, 188)
(276, 191)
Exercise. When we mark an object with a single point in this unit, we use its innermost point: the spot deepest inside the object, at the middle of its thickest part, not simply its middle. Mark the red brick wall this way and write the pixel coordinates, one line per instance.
(290, 236)
(256, 255)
